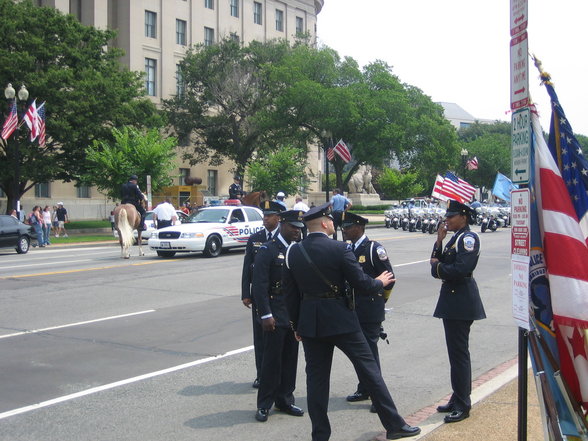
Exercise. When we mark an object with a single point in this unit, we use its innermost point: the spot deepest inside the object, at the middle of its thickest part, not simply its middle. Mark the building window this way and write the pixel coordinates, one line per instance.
(42, 190)
(299, 25)
(150, 24)
(464, 125)
(208, 36)
(184, 173)
(257, 11)
(209, 4)
(150, 72)
(234, 8)
(279, 20)
(180, 83)
(212, 180)
(83, 191)
(181, 32)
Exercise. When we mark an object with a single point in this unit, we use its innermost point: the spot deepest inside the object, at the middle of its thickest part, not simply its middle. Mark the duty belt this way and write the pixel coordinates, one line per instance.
(322, 295)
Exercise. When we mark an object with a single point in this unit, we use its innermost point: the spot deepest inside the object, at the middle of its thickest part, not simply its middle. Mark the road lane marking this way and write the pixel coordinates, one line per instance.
(28, 265)
(85, 269)
(35, 331)
(410, 263)
(104, 387)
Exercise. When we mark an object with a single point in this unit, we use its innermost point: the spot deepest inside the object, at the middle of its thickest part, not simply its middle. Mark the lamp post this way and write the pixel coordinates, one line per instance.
(23, 96)
(327, 141)
(464, 159)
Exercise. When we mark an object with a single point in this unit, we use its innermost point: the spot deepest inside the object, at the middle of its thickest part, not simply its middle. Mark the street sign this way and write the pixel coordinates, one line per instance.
(519, 12)
(519, 71)
(521, 145)
(519, 268)
(520, 222)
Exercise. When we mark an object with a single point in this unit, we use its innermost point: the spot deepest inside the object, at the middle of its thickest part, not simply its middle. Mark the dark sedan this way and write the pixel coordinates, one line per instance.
(15, 234)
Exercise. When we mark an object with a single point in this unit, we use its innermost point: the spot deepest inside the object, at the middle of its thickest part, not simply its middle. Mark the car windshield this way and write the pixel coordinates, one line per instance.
(205, 216)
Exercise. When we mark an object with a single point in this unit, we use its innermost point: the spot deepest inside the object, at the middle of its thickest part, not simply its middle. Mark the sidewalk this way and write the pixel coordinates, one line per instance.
(494, 414)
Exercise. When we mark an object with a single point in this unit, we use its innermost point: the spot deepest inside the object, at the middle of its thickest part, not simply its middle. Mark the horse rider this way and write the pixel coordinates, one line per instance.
(130, 194)
(235, 190)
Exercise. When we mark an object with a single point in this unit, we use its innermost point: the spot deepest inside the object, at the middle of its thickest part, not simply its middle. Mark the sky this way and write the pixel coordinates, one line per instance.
(459, 50)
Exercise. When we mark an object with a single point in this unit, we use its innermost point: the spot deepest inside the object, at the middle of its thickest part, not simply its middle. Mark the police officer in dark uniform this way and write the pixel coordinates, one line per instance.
(373, 259)
(235, 190)
(280, 347)
(271, 225)
(130, 194)
(459, 303)
(315, 273)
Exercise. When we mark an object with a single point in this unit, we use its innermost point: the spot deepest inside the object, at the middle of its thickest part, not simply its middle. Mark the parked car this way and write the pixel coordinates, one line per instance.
(210, 230)
(15, 234)
(150, 226)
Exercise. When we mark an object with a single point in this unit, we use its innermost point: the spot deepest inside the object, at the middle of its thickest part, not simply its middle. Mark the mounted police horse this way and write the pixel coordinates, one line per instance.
(127, 219)
(254, 199)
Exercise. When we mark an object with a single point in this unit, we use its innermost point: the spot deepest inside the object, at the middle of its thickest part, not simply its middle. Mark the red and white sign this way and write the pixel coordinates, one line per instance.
(519, 12)
(519, 71)
(520, 222)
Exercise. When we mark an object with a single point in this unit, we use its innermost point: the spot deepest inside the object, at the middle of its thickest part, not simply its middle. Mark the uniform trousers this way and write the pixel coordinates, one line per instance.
(161, 223)
(457, 333)
(319, 358)
(371, 331)
(278, 369)
(257, 342)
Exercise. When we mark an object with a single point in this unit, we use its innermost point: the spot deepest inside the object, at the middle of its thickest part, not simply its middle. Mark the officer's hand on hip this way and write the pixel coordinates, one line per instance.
(247, 302)
(268, 324)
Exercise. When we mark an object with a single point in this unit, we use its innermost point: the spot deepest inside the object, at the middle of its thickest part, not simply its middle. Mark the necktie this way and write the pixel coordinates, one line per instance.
(269, 236)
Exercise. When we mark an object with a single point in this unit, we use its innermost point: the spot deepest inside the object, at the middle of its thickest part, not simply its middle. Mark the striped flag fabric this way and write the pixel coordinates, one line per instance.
(41, 124)
(472, 164)
(342, 150)
(330, 154)
(462, 190)
(11, 122)
(31, 119)
(565, 244)
(438, 190)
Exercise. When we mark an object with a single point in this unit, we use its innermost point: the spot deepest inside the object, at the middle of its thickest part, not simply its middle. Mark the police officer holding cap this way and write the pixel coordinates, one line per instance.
(459, 302)
(315, 273)
(373, 259)
(280, 347)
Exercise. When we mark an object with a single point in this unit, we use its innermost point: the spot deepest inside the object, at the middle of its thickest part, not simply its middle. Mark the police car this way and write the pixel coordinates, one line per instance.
(150, 225)
(210, 230)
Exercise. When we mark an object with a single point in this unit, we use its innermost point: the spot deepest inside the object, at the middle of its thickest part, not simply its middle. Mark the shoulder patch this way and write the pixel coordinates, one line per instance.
(348, 246)
(469, 242)
(382, 253)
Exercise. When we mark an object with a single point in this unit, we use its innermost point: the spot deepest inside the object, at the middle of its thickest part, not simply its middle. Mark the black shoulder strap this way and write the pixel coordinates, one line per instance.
(334, 288)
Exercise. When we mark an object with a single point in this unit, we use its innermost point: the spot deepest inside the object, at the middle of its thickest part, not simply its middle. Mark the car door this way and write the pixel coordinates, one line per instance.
(240, 227)
(8, 231)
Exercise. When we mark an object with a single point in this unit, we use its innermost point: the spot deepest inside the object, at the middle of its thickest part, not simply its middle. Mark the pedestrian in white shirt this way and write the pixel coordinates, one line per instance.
(165, 214)
(299, 205)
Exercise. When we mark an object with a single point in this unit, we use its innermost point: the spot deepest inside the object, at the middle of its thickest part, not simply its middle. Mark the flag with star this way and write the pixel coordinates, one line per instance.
(561, 184)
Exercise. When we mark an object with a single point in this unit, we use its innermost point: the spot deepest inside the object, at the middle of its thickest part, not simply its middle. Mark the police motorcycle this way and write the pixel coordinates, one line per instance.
(416, 219)
(404, 220)
(436, 219)
(489, 220)
(428, 218)
(392, 217)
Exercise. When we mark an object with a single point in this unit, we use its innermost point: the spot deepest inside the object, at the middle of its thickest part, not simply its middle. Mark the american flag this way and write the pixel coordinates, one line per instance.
(472, 164)
(459, 189)
(342, 150)
(330, 154)
(438, 190)
(31, 119)
(560, 182)
(41, 124)
(11, 122)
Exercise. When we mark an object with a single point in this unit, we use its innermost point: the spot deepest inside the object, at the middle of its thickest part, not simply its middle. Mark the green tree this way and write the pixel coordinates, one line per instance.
(395, 184)
(111, 164)
(226, 97)
(490, 144)
(281, 170)
(77, 73)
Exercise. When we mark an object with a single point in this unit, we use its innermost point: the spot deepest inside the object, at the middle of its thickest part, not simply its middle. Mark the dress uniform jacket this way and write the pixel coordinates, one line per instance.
(267, 282)
(373, 259)
(312, 314)
(256, 240)
(459, 298)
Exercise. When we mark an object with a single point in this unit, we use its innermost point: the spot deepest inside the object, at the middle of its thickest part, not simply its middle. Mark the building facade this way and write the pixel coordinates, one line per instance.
(155, 36)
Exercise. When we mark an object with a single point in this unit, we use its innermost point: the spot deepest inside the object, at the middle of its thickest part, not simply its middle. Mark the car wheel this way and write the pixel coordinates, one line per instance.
(166, 253)
(22, 246)
(213, 246)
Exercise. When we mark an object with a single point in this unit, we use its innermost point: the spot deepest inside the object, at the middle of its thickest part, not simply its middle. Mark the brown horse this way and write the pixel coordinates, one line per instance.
(254, 199)
(127, 219)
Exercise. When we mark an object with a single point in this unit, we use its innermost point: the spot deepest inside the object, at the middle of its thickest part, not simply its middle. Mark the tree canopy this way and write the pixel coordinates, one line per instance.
(282, 170)
(77, 73)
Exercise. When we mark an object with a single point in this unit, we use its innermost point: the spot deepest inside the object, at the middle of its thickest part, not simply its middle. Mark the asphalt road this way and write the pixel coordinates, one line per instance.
(98, 348)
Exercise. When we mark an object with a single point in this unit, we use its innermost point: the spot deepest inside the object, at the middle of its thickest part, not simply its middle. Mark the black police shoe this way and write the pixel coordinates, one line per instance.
(404, 432)
(261, 415)
(256, 383)
(291, 410)
(357, 396)
(445, 408)
(456, 415)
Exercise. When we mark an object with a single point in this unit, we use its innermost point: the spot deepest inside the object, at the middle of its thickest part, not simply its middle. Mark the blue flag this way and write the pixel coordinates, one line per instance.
(502, 187)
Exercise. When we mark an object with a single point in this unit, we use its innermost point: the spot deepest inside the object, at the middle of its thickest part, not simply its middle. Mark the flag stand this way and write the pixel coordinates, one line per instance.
(523, 378)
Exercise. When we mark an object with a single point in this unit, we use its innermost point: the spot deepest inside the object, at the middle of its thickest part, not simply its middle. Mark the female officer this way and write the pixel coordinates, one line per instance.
(459, 302)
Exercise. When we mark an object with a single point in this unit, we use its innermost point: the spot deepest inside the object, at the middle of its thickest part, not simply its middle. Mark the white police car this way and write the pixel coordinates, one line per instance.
(210, 230)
